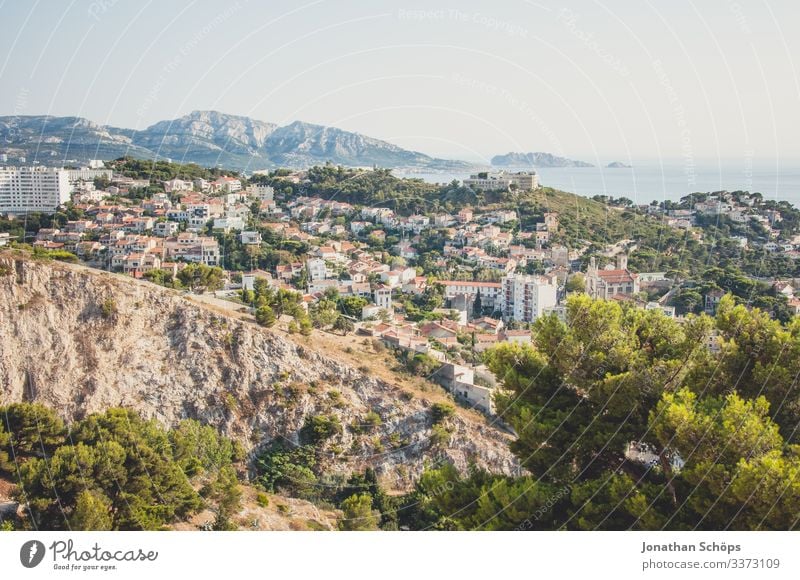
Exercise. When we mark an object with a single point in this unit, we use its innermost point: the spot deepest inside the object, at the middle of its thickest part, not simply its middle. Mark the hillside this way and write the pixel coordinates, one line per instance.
(582, 218)
(207, 138)
(80, 340)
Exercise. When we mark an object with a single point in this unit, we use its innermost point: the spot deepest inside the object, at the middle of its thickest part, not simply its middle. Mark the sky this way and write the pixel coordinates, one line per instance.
(597, 81)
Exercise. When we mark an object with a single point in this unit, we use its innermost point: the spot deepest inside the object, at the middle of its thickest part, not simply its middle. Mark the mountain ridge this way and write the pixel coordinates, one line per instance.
(209, 138)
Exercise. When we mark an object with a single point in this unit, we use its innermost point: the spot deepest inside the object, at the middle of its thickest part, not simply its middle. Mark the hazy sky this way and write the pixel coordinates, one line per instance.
(598, 81)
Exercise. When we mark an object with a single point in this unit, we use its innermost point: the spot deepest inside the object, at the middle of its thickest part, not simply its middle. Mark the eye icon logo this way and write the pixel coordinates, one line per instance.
(31, 553)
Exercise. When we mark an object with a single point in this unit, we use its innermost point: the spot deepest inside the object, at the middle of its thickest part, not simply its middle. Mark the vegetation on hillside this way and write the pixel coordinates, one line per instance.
(626, 420)
(162, 170)
(115, 470)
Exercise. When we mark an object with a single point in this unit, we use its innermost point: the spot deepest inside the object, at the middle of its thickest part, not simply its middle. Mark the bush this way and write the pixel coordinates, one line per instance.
(108, 309)
(358, 515)
(286, 468)
(320, 428)
(372, 420)
(441, 411)
(440, 436)
(423, 365)
(336, 399)
(265, 316)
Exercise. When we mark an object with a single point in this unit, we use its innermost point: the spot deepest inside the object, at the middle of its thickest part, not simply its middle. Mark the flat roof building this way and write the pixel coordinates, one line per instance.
(28, 189)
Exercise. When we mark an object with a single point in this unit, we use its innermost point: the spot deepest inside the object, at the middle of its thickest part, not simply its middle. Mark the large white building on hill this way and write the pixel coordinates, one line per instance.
(502, 181)
(525, 298)
(28, 189)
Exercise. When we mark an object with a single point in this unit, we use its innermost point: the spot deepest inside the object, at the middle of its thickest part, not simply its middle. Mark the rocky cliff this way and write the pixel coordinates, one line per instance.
(81, 340)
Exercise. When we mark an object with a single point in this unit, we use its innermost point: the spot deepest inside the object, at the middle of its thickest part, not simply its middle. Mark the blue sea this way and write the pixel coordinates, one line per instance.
(646, 182)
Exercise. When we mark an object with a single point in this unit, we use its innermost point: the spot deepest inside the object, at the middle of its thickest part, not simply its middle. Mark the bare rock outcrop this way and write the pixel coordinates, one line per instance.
(82, 340)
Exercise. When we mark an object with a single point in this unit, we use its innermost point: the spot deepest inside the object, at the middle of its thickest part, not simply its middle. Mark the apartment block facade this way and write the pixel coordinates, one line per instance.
(27, 189)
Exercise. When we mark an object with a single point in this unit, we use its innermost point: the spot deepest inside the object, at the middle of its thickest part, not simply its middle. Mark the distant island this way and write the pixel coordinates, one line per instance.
(535, 159)
(618, 165)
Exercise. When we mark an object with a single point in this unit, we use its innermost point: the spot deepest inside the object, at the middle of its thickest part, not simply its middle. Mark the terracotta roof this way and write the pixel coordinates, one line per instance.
(616, 276)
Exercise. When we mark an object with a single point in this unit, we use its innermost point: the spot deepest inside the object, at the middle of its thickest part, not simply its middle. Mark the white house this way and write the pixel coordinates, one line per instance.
(317, 269)
(250, 238)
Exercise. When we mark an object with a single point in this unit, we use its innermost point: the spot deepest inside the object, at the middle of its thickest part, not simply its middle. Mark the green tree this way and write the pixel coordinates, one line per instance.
(92, 512)
(343, 325)
(31, 429)
(358, 515)
(575, 283)
(265, 316)
(113, 463)
(202, 277)
(226, 494)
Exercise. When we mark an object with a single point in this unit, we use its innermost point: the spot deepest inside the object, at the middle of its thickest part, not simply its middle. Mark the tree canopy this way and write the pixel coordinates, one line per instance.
(113, 470)
(627, 419)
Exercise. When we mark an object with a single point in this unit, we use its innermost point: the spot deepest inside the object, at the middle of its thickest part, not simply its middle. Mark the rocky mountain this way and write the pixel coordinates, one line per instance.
(208, 138)
(51, 139)
(618, 165)
(81, 340)
(299, 143)
(535, 160)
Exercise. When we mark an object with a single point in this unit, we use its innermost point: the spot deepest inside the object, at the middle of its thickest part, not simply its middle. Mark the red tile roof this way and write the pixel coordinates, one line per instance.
(616, 276)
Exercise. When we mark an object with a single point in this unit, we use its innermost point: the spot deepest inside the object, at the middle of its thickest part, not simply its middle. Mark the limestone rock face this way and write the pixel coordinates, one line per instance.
(81, 340)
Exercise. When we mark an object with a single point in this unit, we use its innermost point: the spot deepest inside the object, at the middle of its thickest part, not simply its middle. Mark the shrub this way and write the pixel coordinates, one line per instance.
(108, 309)
(423, 365)
(441, 411)
(320, 428)
(106, 456)
(440, 436)
(282, 467)
(372, 420)
(265, 316)
(357, 513)
(230, 403)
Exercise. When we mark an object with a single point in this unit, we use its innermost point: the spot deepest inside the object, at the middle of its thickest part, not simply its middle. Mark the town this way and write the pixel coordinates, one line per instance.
(364, 269)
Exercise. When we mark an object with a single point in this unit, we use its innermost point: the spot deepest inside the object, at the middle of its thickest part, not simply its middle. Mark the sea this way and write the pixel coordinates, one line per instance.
(646, 182)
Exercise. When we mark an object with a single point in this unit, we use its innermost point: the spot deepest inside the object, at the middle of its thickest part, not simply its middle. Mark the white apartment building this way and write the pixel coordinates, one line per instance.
(525, 298)
(490, 292)
(250, 238)
(317, 269)
(261, 192)
(501, 181)
(172, 185)
(89, 174)
(190, 247)
(24, 189)
(226, 184)
(383, 298)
